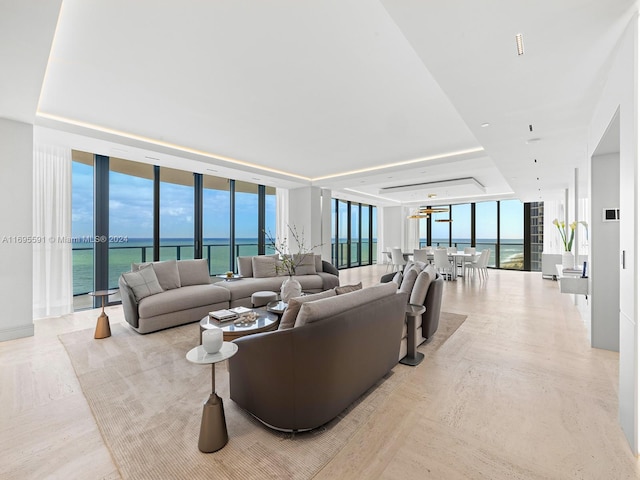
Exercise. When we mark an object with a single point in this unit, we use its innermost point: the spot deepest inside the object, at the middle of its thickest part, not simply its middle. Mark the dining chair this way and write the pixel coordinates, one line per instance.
(386, 251)
(480, 264)
(442, 263)
(397, 259)
(420, 255)
(428, 249)
(468, 260)
(451, 250)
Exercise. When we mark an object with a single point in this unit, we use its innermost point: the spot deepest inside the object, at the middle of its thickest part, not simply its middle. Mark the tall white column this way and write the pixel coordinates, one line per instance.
(16, 196)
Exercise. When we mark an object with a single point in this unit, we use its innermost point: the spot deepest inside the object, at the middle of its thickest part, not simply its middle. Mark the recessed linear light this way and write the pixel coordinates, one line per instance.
(152, 141)
(485, 125)
(406, 162)
(519, 44)
(532, 140)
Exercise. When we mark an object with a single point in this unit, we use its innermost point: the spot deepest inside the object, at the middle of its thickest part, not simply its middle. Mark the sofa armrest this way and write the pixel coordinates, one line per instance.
(330, 268)
(387, 277)
(129, 304)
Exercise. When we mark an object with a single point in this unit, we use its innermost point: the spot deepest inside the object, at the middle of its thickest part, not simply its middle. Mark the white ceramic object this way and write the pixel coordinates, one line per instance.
(291, 288)
(212, 340)
(568, 260)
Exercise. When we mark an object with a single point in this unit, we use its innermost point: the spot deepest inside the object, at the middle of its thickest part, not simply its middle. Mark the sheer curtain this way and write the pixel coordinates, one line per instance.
(282, 213)
(52, 260)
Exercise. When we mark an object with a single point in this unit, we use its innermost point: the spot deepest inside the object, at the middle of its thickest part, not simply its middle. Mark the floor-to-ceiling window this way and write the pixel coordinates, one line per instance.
(82, 226)
(343, 237)
(440, 229)
(246, 219)
(461, 225)
(270, 215)
(511, 235)
(216, 212)
(354, 246)
(365, 241)
(130, 216)
(176, 214)
(487, 229)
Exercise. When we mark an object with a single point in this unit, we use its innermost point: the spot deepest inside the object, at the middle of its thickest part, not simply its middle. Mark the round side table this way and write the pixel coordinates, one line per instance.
(103, 330)
(412, 312)
(213, 427)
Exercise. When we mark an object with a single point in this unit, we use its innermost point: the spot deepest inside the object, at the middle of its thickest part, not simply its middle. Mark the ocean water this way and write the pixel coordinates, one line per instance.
(135, 250)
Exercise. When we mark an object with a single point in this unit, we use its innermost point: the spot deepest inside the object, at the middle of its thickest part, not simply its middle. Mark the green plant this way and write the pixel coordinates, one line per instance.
(572, 226)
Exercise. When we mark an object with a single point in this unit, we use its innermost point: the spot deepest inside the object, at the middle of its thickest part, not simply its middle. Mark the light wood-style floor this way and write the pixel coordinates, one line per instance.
(516, 392)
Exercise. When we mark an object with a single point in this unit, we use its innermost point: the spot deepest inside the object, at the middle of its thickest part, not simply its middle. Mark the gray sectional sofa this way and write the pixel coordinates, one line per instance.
(165, 294)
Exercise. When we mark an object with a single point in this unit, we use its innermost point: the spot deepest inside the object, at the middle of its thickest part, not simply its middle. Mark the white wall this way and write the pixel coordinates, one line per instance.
(605, 266)
(305, 214)
(620, 92)
(392, 232)
(16, 192)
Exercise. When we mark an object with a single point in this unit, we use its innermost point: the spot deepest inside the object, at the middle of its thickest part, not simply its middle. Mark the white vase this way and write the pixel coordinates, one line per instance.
(290, 288)
(212, 339)
(568, 260)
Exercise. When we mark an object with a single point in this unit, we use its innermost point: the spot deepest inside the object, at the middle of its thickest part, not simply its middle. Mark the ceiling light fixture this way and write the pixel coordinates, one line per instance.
(432, 195)
(485, 125)
(519, 44)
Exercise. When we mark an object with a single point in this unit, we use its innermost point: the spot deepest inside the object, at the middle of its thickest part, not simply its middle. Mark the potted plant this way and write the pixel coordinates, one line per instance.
(568, 260)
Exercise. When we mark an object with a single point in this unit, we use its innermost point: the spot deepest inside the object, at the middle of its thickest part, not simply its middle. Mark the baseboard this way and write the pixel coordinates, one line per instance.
(16, 332)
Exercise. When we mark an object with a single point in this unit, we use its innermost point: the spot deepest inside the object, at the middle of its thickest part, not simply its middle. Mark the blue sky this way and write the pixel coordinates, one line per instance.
(131, 208)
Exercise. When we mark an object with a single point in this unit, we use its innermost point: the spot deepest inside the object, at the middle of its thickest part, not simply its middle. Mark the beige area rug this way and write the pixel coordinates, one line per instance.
(147, 401)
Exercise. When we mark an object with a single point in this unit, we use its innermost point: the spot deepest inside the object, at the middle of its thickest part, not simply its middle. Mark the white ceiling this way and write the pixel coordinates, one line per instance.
(352, 95)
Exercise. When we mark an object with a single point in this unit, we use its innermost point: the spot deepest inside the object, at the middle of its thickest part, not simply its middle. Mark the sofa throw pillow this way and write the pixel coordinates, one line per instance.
(167, 273)
(397, 279)
(143, 283)
(421, 287)
(318, 260)
(194, 272)
(288, 319)
(348, 288)
(305, 264)
(264, 266)
(244, 266)
(408, 279)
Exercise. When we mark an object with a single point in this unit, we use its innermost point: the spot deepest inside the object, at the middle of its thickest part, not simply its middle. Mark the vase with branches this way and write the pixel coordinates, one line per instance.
(292, 252)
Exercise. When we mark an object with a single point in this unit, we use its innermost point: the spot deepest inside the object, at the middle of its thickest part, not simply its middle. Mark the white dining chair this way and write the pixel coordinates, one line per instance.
(386, 251)
(420, 255)
(468, 260)
(428, 249)
(480, 264)
(443, 264)
(451, 250)
(397, 259)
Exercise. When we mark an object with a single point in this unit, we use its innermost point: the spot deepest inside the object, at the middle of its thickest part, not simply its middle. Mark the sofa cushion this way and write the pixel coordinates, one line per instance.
(408, 279)
(397, 279)
(317, 310)
(348, 288)
(184, 298)
(244, 266)
(167, 273)
(318, 260)
(305, 264)
(194, 272)
(293, 308)
(143, 283)
(421, 286)
(264, 266)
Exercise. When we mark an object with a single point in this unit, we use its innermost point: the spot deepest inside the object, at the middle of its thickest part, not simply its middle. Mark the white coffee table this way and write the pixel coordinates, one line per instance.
(213, 427)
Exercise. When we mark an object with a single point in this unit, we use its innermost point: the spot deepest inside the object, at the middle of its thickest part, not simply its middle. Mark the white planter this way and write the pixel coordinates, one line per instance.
(568, 260)
(290, 288)
(212, 339)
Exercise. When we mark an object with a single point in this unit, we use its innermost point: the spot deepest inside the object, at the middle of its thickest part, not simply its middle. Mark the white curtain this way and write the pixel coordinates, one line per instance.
(412, 229)
(282, 214)
(52, 259)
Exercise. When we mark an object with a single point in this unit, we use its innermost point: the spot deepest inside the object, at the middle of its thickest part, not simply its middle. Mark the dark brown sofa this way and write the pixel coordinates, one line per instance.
(300, 378)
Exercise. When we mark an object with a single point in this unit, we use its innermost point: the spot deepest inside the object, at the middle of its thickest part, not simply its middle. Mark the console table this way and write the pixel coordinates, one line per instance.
(572, 282)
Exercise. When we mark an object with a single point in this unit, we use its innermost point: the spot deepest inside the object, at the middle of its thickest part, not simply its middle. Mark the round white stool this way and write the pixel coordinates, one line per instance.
(260, 299)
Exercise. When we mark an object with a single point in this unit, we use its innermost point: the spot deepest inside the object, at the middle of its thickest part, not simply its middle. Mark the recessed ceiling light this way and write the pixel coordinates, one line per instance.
(519, 44)
(532, 140)
(485, 125)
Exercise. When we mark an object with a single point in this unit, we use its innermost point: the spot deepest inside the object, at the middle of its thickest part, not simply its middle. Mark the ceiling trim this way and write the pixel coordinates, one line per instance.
(465, 181)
